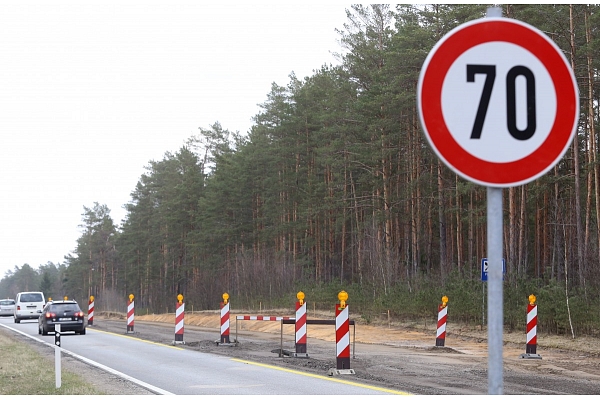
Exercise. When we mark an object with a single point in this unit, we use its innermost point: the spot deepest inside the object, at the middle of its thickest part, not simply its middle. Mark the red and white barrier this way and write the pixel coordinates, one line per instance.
(179, 316)
(440, 339)
(224, 323)
(130, 314)
(300, 327)
(91, 311)
(259, 318)
(342, 337)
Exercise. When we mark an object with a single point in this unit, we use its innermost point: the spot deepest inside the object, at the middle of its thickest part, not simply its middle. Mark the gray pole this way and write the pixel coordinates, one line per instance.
(495, 305)
(495, 295)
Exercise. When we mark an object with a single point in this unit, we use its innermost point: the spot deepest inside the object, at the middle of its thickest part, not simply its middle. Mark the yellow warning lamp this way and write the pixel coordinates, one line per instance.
(49, 298)
(532, 299)
(342, 297)
(131, 297)
(225, 298)
(91, 298)
(65, 298)
(444, 301)
(180, 298)
(300, 297)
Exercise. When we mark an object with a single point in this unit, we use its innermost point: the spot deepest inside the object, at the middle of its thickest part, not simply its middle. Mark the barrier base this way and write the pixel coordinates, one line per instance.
(529, 356)
(225, 344)
(178, 342)
(334, 371)
(300, 355)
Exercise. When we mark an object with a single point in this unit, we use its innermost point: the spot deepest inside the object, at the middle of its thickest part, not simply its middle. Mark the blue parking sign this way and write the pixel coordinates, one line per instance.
(484, 269)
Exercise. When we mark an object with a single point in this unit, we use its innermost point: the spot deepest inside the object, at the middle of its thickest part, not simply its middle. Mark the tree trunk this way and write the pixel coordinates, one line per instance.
(592, 151)
(442, 222)
(576, 167)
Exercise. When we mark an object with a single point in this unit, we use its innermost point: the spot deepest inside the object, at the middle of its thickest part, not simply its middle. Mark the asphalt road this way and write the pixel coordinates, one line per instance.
(186, 372)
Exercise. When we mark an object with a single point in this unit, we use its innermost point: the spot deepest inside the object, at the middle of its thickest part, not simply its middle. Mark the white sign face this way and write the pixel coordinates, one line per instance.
(498, 102)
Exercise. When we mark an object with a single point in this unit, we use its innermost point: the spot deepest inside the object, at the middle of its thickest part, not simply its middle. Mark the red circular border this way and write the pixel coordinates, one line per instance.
(473, 168)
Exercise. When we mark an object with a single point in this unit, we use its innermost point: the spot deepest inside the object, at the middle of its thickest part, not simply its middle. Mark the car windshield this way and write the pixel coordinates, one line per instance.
(31, 297)
(7, 302)
(62, 308)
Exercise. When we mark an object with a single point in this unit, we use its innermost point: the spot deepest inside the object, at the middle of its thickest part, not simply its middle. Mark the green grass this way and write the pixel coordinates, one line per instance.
(23, 371)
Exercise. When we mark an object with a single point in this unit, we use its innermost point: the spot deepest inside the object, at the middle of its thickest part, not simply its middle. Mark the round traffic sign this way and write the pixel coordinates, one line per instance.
(498, 102)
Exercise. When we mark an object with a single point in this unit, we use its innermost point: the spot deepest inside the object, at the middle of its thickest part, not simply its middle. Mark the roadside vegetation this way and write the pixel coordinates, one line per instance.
(23, 371)
(467, 304)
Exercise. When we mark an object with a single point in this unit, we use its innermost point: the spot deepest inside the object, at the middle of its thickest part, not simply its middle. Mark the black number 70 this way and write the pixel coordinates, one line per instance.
(511, 102)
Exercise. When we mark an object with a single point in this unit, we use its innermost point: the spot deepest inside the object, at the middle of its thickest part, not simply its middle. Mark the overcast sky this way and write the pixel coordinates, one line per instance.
(90, 92)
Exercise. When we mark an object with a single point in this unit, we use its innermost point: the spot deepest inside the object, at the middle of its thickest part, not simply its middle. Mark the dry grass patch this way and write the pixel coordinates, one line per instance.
(23, 371)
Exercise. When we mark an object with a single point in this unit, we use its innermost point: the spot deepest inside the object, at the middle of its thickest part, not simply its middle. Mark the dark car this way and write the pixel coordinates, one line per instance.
(64, 312)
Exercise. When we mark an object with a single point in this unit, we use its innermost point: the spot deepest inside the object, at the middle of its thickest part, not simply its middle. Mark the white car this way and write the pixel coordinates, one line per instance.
(7, 307)
(28, 305)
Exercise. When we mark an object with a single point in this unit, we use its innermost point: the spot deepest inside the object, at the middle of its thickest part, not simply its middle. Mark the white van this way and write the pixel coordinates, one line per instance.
(29, 305)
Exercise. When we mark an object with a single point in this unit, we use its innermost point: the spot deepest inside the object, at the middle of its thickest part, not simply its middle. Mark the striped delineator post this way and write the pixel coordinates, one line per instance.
(300, 326)
(342, 335)
(440, 337)
(531, 345)
(130, 314)
(179, 315)
(91, 311)
(225, 320)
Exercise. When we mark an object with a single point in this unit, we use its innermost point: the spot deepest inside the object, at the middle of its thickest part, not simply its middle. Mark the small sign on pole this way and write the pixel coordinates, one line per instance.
(485, 266)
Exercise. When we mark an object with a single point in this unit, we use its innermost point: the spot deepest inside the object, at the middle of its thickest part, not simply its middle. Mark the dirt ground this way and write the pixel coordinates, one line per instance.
(399, 356)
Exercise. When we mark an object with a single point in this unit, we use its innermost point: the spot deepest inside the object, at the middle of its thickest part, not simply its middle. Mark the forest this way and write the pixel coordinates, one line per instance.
(334, 188)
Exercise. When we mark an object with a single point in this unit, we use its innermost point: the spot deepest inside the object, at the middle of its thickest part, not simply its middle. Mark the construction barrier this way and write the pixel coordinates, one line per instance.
(286, 321)
(179, 316)
(260, 318)
(130, 314)
(440, 338)
(225, 321)
(91, 311)
(300, 327)
(531, 343)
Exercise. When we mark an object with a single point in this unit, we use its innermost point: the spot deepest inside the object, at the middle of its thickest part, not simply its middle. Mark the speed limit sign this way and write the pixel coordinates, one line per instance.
(498, 102)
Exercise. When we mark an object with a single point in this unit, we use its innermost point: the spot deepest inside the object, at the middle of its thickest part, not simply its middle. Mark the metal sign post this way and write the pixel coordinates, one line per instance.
(57, 366)
(495, 289)
(495, 295)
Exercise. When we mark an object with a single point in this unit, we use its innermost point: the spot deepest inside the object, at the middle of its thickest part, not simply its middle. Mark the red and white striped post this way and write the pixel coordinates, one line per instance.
(225, 320)
(91, 311)
(130, 314)
(342, 333)
(179, 315)
(531, 346)
(300, 325)
(440, 338)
